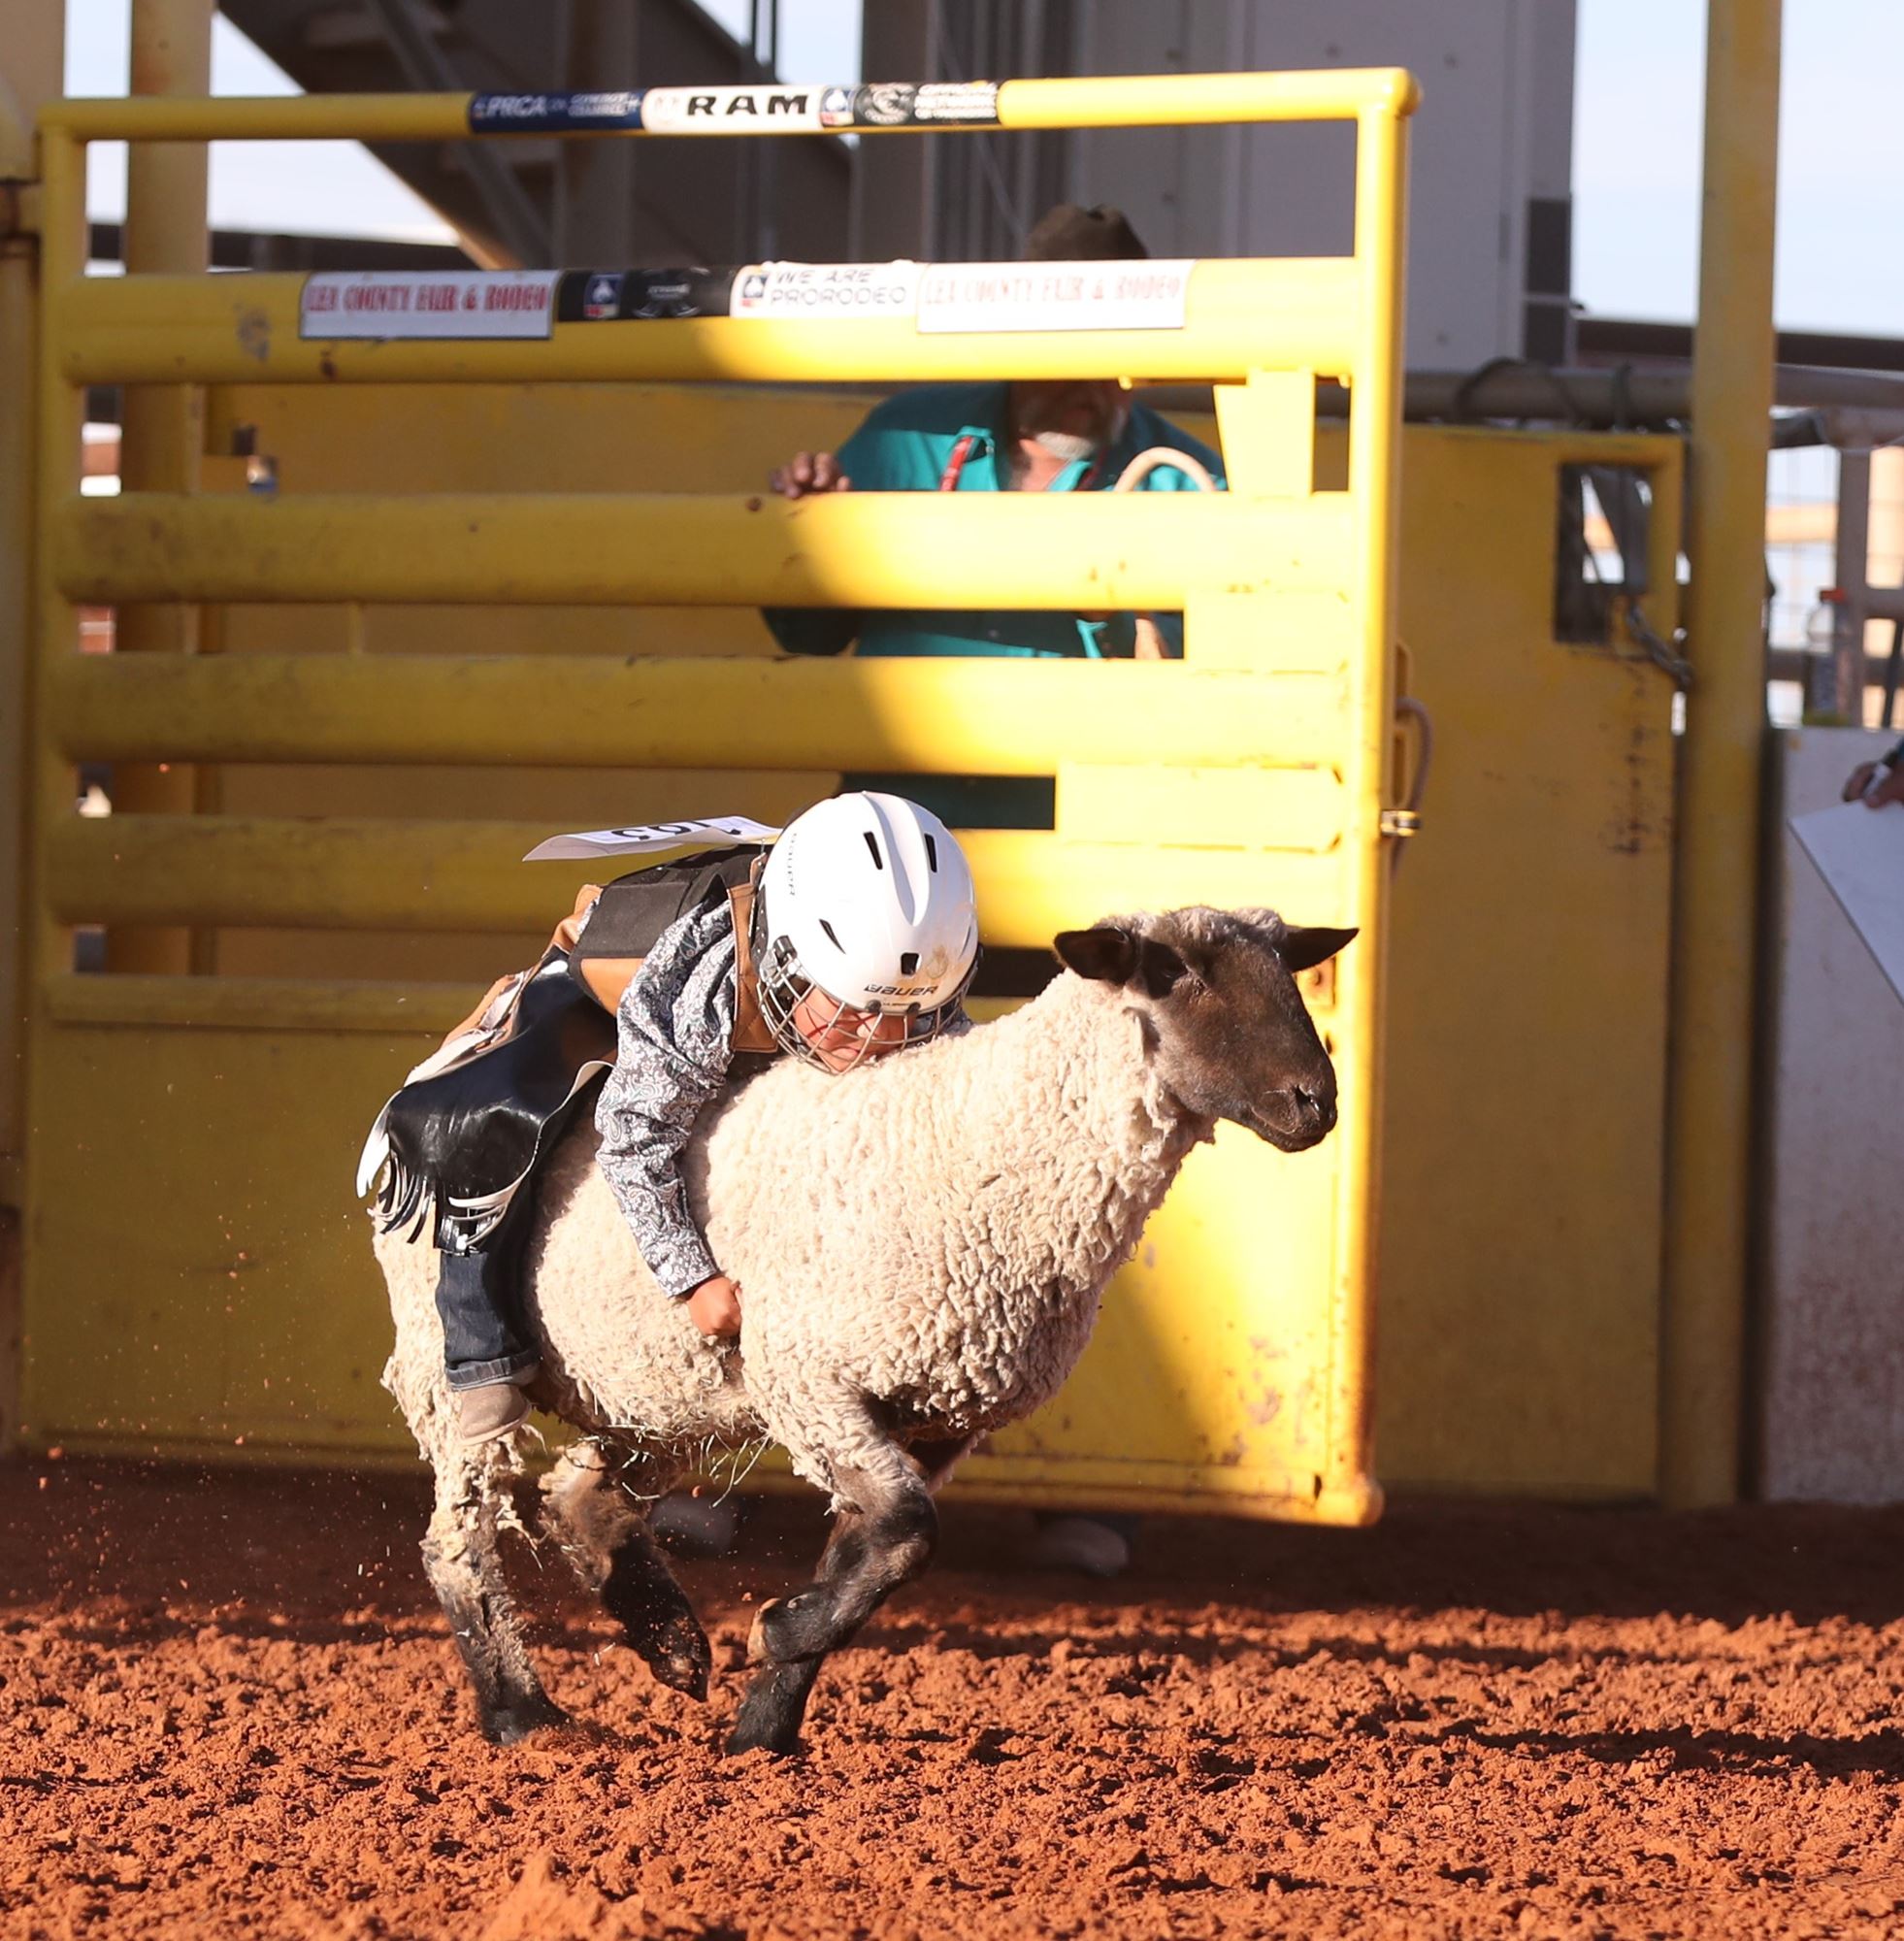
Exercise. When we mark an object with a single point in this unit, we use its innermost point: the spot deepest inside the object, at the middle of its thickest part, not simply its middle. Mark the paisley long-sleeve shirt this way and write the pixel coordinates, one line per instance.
(674, 1034)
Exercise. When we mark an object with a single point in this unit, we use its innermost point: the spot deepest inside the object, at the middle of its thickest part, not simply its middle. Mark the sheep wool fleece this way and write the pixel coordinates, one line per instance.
(923, 1242)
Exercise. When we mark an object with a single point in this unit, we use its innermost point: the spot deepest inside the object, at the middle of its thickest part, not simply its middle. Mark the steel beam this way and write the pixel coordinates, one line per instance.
(163, 424)
(1710, 1092)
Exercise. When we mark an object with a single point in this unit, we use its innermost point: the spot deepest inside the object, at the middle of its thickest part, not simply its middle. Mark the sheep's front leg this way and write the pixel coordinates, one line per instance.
(597, 1502)
(465, 1570)
(883, 1535)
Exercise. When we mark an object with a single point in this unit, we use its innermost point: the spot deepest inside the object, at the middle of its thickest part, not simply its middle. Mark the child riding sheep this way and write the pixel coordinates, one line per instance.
(925, 1248)
(857, 938)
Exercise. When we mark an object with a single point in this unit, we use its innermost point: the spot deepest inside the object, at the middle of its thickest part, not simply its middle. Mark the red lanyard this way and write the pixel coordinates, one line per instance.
(948, 479)
(955, 465)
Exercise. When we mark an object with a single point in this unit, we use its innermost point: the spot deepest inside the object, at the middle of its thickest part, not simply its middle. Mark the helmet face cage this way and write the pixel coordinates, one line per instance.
(855, 1033)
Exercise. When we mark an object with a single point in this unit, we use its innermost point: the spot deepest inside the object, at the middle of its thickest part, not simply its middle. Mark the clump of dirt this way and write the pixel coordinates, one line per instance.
(544, 1903)
(228, 1706)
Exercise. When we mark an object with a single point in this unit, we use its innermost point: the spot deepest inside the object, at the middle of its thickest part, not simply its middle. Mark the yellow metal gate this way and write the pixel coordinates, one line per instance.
(197, 1278)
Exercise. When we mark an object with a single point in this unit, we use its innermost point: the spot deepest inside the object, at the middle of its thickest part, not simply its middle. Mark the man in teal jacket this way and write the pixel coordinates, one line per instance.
(1028, 436)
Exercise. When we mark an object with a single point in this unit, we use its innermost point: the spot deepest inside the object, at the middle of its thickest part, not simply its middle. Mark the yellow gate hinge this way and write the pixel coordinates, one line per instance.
(1401, 822)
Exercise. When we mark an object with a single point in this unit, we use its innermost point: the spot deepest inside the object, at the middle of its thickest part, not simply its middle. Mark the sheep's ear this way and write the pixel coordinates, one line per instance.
(1304, 949)
(1109, 954)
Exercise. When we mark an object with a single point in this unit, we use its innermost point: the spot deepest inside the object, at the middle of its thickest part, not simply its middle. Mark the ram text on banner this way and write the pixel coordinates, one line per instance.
(387, 303)
(709, 110)
(1150, 295)
(824, 290)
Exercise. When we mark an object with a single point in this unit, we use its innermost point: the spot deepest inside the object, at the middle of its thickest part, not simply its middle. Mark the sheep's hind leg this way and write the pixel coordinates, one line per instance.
(465, 1570)
(597, 1508)
(881, 1538)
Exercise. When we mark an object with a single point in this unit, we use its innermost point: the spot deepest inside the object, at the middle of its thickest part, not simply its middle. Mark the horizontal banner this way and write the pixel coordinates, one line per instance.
(427, 303)
(904, 104)
(691, 110)
(944, 299)
(777, 108)
(824, 289)
(546, 114)
(1143, 295)
(635, 296)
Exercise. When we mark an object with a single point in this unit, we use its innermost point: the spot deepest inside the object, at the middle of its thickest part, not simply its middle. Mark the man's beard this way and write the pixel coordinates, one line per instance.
(1071, 422)
(1068, 445)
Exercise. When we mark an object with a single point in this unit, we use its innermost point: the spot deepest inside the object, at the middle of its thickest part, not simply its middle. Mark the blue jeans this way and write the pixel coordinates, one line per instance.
(479, 1302)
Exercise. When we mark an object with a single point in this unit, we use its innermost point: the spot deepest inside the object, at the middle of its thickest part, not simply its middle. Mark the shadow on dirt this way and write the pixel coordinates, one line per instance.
(1880, 1754)
(335, 1557)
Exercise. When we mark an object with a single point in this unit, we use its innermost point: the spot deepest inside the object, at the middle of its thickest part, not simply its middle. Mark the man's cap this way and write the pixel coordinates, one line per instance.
(1069, 233)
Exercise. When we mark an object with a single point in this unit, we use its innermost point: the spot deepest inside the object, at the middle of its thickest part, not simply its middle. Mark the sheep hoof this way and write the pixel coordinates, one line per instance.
(767, 1722)
(682, 1659)
(507, 1725)
(685, 1675)
(789, 1629)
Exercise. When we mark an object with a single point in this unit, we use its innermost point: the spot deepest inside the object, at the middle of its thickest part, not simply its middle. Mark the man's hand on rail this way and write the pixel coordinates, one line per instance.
(1150, 643)
(1890, 788)
(809, 472)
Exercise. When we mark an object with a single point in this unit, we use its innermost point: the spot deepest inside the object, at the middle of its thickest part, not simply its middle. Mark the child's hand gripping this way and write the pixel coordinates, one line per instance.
(715, 1307)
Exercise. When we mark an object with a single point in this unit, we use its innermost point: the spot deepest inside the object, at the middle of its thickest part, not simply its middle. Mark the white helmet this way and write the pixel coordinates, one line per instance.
(867, 899)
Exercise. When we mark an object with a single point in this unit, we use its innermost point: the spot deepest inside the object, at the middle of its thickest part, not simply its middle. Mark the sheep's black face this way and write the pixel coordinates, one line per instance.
(1229, 1033)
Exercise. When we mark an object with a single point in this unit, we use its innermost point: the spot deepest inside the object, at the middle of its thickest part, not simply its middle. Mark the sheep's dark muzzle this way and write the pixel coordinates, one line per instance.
(1291, 1121)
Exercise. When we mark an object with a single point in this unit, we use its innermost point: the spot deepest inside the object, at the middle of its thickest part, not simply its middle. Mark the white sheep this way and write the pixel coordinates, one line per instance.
(921, 1247)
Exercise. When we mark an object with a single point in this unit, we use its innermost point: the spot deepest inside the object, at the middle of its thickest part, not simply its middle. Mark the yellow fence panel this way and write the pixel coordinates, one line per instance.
(340, 874)
(1519, 1341)
(183, 1291)
(1522, 1217)
(1130, 550)
(933, 718)
(1257, 772)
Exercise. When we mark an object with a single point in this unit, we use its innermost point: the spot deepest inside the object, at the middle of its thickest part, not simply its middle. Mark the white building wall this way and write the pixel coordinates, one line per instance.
(1493, 136)
(1833, 1333)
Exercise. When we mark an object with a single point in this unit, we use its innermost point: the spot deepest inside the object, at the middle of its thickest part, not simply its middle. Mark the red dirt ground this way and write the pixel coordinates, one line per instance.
(229, 1707)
